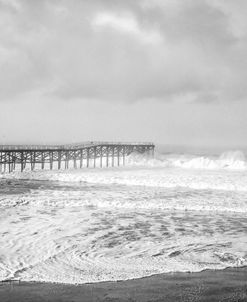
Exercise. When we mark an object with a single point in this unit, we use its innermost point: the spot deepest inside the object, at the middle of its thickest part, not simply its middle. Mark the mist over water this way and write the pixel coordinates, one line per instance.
(176, 212)
(229, 160)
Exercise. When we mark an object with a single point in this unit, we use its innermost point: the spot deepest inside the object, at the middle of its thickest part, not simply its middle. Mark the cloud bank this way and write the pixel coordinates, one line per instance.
(124, 50)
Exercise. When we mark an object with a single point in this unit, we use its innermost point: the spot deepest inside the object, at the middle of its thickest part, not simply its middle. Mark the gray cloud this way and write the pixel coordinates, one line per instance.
(123, 50)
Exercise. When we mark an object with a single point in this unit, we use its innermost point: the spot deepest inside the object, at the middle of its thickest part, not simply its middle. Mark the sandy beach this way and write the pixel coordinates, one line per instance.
(213, 286)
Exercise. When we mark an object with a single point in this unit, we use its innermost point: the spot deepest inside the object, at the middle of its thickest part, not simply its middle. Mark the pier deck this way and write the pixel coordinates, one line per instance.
(88, 154)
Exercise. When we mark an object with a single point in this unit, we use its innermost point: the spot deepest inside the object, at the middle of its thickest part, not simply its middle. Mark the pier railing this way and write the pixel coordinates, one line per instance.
(79, 155)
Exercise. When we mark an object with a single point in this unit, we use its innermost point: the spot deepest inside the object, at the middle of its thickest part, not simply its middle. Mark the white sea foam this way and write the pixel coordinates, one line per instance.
(64, 236)
(162, 177)
(173, 213)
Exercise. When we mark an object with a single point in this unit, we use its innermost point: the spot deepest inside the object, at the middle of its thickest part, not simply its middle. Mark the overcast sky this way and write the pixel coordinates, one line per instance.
(168, 71)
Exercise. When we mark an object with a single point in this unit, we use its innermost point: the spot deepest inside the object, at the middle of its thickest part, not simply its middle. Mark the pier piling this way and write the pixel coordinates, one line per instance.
(33, 156)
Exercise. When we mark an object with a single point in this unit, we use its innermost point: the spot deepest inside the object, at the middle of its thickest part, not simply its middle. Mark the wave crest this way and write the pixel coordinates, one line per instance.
(230, 160)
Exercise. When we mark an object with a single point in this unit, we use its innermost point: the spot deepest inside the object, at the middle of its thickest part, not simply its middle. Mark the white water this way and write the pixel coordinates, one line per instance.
(230, 160)
(172, 213)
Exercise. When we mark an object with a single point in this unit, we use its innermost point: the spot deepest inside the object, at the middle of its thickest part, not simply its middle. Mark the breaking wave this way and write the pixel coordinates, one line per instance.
(230, 160)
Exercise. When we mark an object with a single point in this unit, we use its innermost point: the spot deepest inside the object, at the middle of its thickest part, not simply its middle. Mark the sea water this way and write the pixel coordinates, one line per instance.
(173, 213)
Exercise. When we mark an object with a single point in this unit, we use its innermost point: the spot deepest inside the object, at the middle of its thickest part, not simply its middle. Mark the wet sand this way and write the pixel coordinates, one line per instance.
(222, 285)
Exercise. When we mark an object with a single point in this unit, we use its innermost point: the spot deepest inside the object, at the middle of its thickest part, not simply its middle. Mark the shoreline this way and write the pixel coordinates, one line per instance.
(229, 284)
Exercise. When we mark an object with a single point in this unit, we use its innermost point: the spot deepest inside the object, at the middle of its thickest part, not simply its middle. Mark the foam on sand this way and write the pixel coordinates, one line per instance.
(88, 233)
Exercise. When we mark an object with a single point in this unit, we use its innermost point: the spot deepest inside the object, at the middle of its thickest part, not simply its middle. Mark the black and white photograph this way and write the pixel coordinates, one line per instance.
(123, 151)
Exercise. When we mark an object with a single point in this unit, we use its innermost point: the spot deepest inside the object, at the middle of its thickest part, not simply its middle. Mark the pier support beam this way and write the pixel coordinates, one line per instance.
(51, 160)
(118, 156)
(81, 158)
(107, 156)
(32, 159)
(59, 156)
(94, 156)
(101, 156)
(112, 159)
(22, 161)
(42, 160)
(74, 156)
(10, 161)
(66, 160)
(88, 157)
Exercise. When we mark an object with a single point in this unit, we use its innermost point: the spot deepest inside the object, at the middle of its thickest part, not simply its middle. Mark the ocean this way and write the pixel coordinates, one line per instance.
(173, 213)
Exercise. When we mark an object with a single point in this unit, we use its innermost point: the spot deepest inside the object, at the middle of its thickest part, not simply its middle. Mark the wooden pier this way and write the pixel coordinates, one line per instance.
(90, 154)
